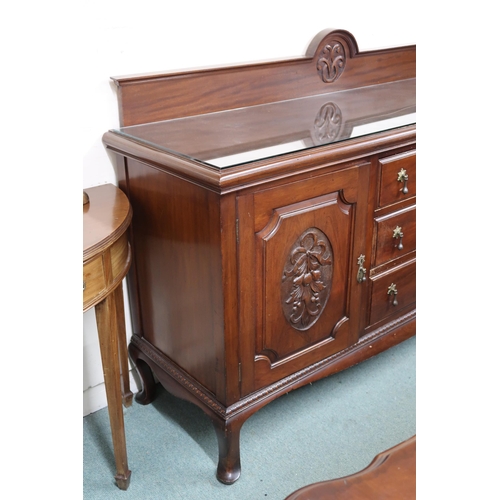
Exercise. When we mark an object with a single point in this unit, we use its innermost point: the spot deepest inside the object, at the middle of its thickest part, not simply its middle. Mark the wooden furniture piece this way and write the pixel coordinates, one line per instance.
(392, 475)
(274, 224)
(106, 261)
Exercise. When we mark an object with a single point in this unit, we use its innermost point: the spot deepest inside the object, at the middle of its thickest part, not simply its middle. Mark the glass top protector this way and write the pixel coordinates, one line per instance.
(233, 137)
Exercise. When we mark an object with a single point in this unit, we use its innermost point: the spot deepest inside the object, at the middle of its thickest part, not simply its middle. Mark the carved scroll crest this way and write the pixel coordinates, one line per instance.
(307, 279)
(331, 62)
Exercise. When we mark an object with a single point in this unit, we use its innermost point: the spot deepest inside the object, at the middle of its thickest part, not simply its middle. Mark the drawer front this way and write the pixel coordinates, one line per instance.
(93, 279)
(398, 180)
(402, 280)
(395, 235)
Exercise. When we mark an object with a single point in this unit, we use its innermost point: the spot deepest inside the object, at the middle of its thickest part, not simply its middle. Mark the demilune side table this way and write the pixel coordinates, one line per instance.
(106, 260)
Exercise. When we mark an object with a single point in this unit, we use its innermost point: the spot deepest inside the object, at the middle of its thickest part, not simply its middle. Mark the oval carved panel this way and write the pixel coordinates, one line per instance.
(307, 279)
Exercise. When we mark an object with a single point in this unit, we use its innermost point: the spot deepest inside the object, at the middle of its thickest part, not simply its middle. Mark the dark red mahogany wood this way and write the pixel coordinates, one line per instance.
(154, 97)
(391, 475)
(252, 280)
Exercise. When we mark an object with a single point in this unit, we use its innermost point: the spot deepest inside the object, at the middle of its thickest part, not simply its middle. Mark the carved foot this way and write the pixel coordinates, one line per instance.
(127, 398)
(148, 392)
(228, 476)
(228, 436)
(123, 480)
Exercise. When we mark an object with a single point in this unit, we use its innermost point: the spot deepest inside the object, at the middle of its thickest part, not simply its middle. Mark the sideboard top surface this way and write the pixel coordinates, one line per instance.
(233, 137)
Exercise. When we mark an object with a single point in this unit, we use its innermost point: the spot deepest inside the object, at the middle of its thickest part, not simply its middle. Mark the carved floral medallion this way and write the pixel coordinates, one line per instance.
(307, 279)
(331, 62)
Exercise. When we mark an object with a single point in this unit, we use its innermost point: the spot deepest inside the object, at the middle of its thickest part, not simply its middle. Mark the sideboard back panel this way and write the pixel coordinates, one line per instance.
(156, 97)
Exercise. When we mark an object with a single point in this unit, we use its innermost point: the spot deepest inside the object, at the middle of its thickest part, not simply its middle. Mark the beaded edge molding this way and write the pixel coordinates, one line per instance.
(231, 411)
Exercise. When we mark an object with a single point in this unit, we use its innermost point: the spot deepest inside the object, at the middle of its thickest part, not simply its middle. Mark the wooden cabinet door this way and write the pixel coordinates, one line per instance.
(298, 250)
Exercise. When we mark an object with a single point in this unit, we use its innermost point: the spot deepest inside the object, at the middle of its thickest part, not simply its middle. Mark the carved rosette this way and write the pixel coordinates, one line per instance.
(331, 62)
(307, 279)
(328, 124)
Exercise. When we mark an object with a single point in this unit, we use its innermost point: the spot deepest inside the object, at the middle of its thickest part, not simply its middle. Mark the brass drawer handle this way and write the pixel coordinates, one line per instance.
(398, 233)
(392, 291)
(403, 177)
(361, 270)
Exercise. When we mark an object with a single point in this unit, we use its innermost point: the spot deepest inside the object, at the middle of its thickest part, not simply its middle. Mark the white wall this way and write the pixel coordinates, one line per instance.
(56, 102)
(127, 37)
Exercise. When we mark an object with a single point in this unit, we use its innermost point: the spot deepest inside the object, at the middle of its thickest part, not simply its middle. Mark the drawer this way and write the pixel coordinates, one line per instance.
(93, 279)
(398, 180)
(401, 279)
(395, 235)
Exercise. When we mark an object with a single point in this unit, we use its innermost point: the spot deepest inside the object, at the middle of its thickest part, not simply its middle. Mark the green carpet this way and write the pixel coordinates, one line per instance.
(324, 430)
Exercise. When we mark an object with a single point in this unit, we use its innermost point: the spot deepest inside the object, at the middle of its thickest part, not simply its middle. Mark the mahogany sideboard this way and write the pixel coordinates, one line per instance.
(274, 224)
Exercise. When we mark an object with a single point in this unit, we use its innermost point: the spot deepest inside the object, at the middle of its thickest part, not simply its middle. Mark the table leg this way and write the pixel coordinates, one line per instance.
(127, 396)
(107, 327)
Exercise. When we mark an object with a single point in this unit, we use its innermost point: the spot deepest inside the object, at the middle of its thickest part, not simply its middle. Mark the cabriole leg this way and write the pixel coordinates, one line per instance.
(148, 392)
(228, 436)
